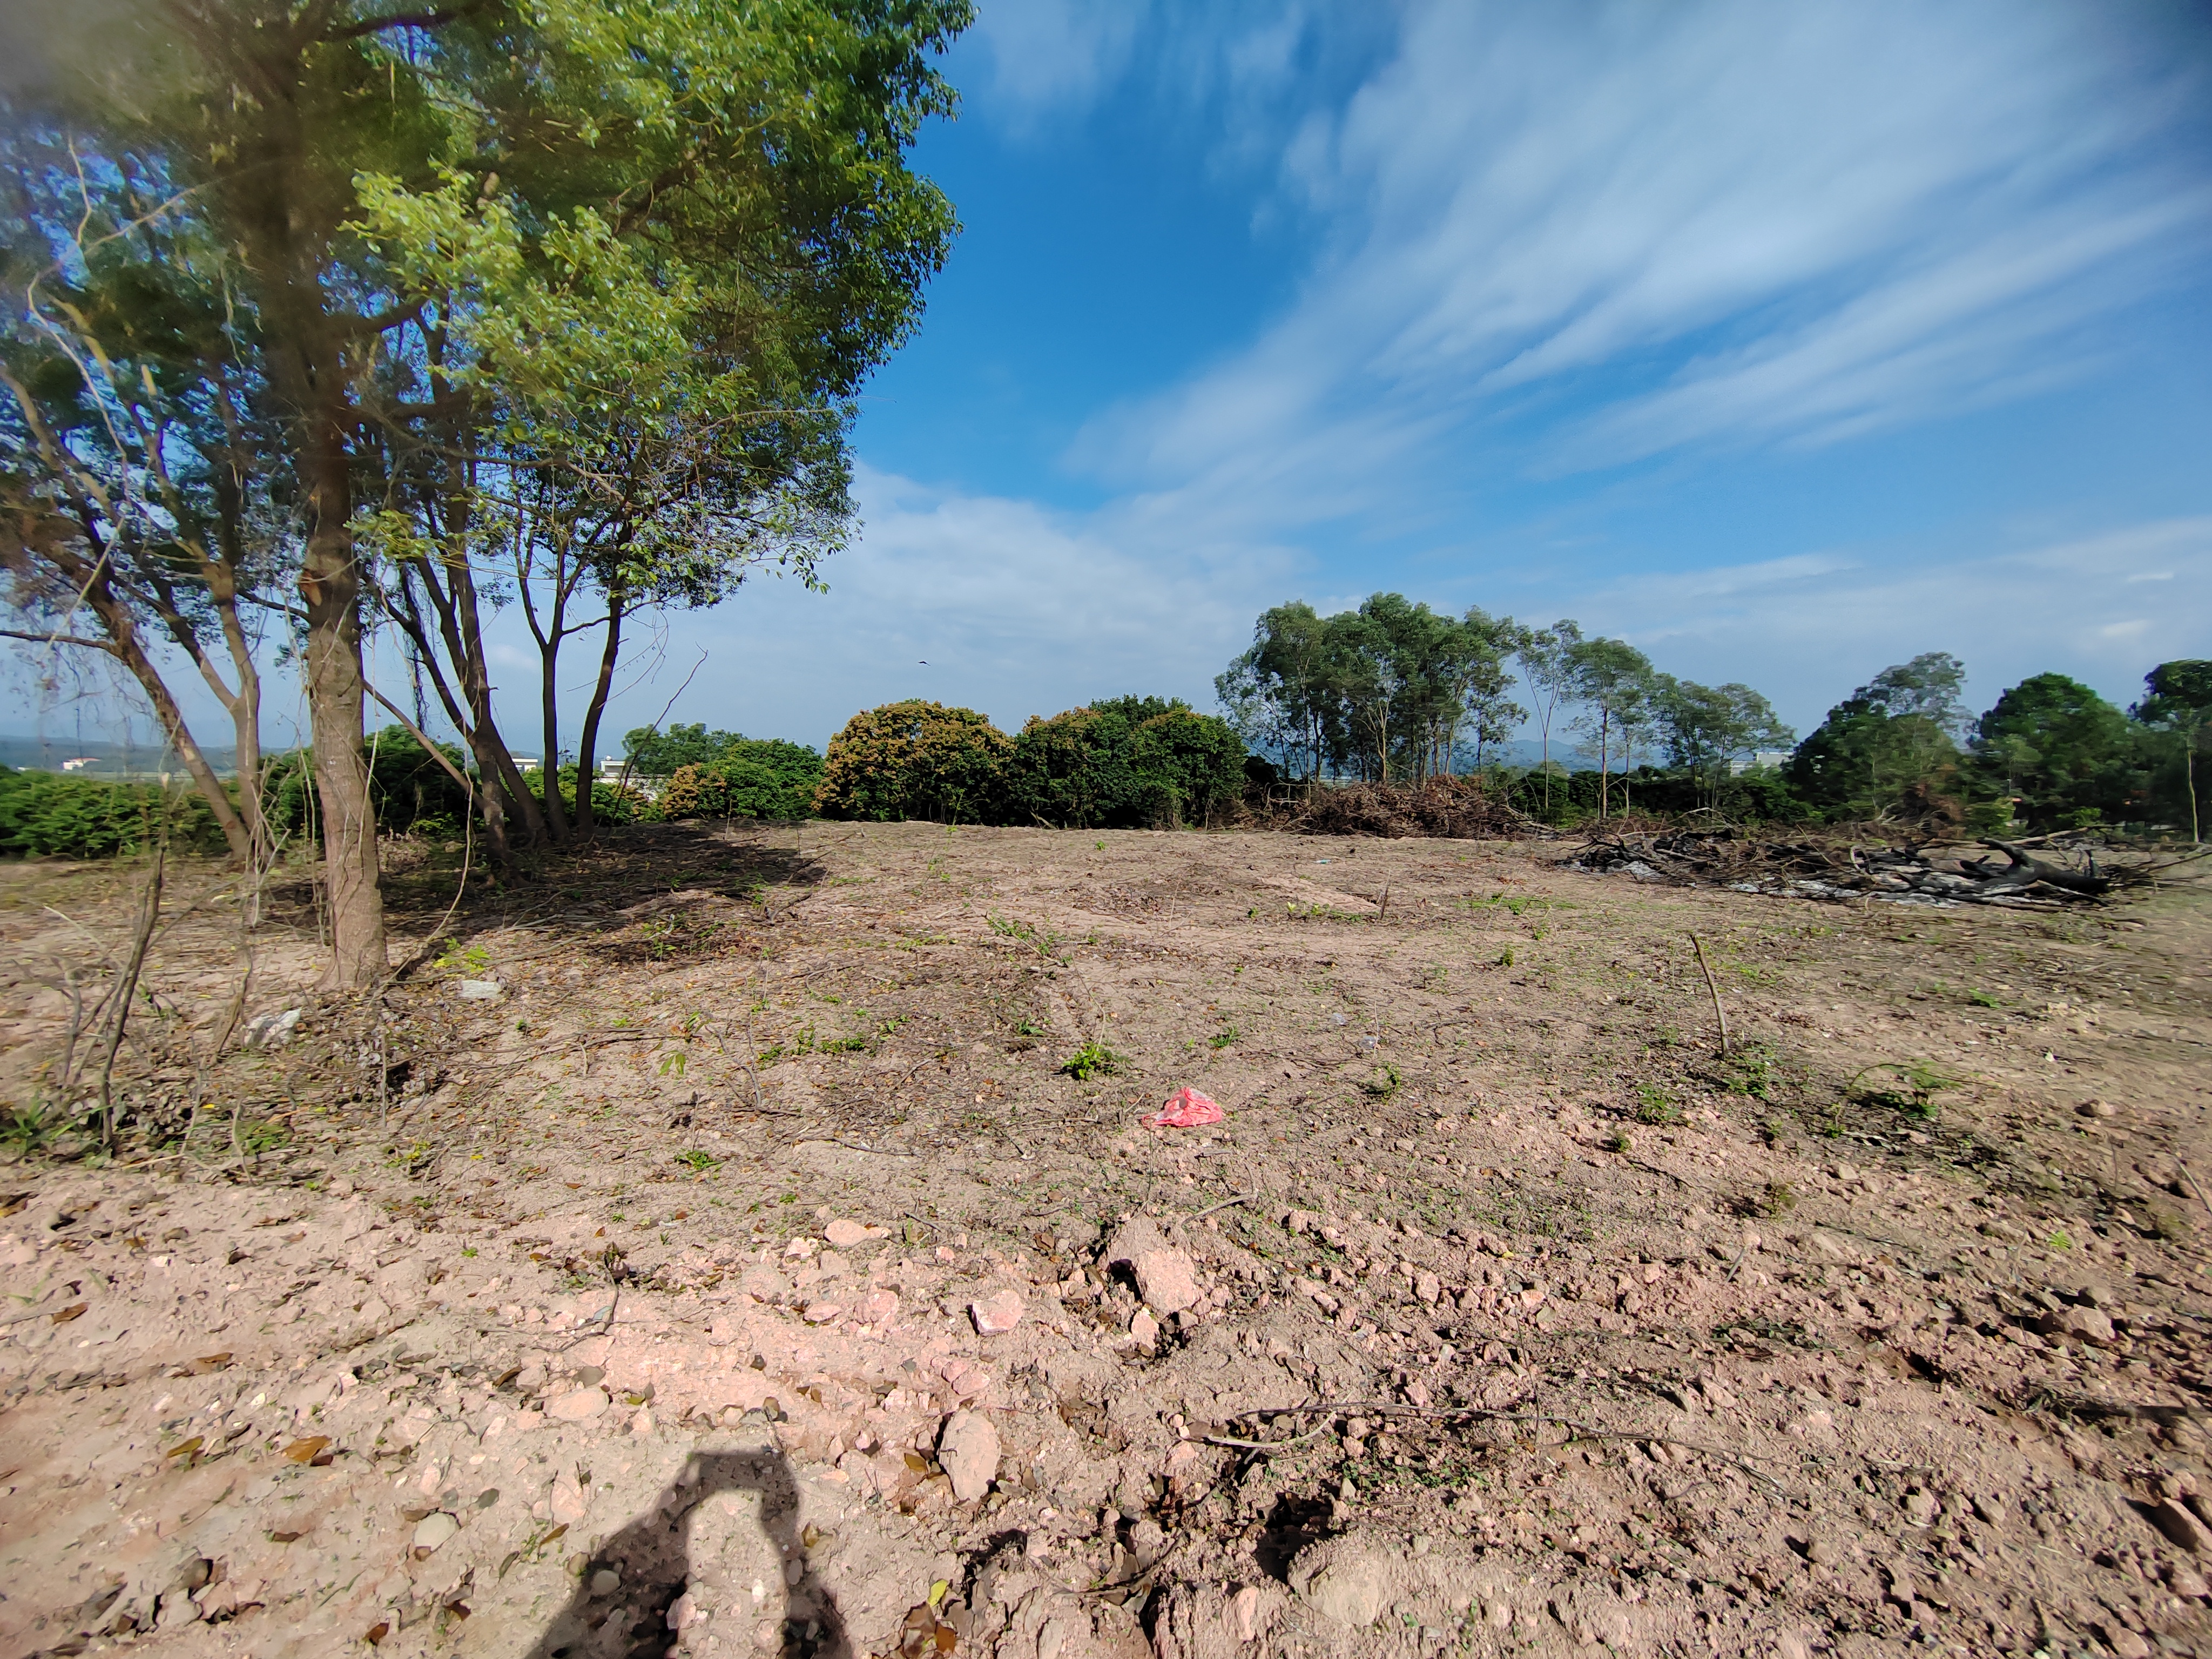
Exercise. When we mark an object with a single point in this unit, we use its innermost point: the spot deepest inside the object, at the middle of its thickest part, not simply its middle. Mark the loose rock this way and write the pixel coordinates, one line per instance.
(996, 1316)
(579, 1405)
(967, 1450)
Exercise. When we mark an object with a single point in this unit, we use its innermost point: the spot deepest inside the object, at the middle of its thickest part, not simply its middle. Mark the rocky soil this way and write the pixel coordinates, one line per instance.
(748, 1241)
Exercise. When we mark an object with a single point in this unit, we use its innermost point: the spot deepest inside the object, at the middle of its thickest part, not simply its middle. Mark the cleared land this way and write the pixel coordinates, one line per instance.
(637, 1308)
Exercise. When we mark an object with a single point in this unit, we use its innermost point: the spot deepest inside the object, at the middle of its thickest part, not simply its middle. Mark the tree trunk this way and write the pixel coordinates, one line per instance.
(588, 739)
(330, 667)
(556, 816)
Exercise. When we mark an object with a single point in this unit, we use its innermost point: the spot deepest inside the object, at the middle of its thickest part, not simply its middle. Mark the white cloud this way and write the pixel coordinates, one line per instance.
(1053, 58)
(1806, 630)
(981, 601)
(1641, 228)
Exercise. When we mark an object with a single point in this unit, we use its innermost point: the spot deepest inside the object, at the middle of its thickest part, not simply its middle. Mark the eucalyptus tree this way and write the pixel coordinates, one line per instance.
(1278, 694)
(1707, 726)
(445, 230)
(1547, 664)
(1613, 682)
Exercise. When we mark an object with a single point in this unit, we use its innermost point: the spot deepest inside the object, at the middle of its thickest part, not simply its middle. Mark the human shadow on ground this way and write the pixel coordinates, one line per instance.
(652, 1560)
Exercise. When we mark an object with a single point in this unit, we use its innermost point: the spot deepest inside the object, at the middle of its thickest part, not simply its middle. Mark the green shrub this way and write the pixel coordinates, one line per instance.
(1075, 770)
(1125, 762)
(53, 814)
(915, 760)
(755, 778)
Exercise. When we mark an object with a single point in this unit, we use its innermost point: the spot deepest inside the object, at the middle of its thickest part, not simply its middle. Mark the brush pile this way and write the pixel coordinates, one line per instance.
(1448, 806)
(1838, 869)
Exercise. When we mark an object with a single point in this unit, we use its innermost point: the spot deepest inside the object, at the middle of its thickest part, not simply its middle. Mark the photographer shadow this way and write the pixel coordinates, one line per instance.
(652, 1560)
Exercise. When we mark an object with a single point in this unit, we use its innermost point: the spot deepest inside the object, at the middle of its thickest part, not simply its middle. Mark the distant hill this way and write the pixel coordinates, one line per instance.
(107, 759)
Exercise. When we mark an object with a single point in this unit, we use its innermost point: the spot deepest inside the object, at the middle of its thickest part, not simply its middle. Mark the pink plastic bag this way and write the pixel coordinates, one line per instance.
(1186, 1109)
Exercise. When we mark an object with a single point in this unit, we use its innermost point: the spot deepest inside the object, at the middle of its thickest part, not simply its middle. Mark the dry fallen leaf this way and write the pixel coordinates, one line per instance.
(206, 1363)
(185, 1448)
(308, 1449)
(68, 1314)
(376, 1632)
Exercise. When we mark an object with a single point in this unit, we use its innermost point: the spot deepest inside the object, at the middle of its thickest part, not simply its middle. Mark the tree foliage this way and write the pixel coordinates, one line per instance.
(1892, 745)
(634, 258)
(914, 760)
(1393, 689)
(2064, 756)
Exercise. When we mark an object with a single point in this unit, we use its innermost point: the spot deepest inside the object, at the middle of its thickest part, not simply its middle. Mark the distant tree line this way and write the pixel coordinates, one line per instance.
(1394, 691)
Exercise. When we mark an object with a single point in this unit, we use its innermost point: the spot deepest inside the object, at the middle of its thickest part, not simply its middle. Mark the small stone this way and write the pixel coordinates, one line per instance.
(1344, 1579)
(996, 1316)
(1145, 1329)
(967, 1450)
(821, 1313)
(1167, 1280)
(2169, 1516)
(879, 1307)
(2123, 1642)
(579, 1405)
(432, 1531)
(605, 1581)
(2185, 1580)
(2082, 1324)
(845, 1234)
(1245, 1607)
(1428, 1287)
(1824, 1553)
(479, 990)
(569, 1503)
(684, 1612)
(1921, 1508)
(2097, 1109)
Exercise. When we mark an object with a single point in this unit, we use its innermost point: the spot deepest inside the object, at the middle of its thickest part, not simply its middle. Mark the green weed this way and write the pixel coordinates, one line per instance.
(1222, 1038)
(1383, 1085)
(470, 961)
(1656, 1106)
(700, 1161)
(1092, 1059)
(1912, 1087)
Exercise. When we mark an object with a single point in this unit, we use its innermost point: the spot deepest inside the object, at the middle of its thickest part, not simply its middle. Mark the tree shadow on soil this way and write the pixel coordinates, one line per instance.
(652, 1558)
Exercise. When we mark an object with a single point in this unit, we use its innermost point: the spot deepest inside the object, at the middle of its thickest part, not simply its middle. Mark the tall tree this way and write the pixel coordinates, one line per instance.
(143, 523)
(1276, 695)
(1709, 726)
(1548, 663)
(2063, 755)
(2178, 699)
(1893, 741)
(454, 228)
(1613, 681)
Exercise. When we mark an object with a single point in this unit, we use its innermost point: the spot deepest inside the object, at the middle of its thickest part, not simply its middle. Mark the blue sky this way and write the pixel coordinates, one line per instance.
(1786, 342)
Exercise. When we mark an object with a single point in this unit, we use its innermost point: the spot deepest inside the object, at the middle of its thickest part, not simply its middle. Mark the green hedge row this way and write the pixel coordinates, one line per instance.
(59, 815)
(1125, 762)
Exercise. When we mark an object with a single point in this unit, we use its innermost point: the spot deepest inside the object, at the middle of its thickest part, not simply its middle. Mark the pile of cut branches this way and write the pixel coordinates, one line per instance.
(1448, 806)
(1841, 868)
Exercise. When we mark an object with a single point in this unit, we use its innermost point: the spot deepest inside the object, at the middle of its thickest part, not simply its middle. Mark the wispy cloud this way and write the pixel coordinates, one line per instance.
(1645, 228)
(1809, 628)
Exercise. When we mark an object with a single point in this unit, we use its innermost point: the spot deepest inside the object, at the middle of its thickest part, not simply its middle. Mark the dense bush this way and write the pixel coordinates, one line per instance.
(54, 814)
(1123, 762)
(411, 792)
(760, 779)
(915, 760)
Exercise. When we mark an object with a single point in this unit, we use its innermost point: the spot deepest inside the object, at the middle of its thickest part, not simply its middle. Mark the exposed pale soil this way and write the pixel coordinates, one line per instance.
(661, 1303)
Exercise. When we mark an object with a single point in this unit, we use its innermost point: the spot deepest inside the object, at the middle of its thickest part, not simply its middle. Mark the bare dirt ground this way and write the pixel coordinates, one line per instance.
(750, 1275)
